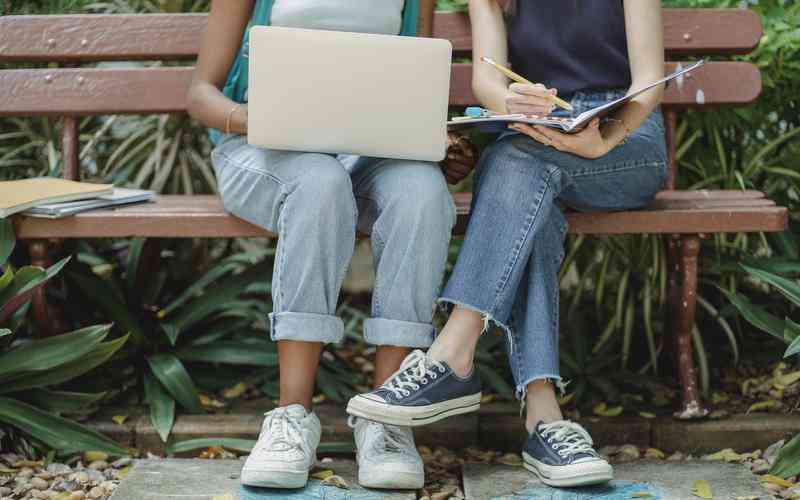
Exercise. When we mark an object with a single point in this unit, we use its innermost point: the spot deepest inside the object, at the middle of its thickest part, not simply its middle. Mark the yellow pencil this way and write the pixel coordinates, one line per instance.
(520, 79)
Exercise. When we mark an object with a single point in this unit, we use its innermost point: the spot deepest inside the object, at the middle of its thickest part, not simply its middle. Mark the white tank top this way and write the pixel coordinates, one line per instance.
(359, 16)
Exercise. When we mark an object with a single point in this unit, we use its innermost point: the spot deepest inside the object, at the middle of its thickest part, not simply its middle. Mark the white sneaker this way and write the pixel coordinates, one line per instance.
(387, 457)
(286, 449)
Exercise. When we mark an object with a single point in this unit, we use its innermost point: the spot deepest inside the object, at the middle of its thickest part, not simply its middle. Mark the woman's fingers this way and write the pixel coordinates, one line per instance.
(533, 90)
(530, 132)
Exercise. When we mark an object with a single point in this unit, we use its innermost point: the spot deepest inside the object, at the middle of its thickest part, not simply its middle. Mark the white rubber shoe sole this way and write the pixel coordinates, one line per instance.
(382, 478)
(274, 479)
(412, 416)
(565, 476)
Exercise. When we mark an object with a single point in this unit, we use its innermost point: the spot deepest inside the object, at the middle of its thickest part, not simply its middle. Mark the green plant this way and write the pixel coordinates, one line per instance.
(779, 274)
(177, 320)
(33, 373)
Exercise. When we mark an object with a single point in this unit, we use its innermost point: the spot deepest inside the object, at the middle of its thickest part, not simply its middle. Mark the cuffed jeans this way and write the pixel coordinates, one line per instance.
(316, 203)
(508, 266)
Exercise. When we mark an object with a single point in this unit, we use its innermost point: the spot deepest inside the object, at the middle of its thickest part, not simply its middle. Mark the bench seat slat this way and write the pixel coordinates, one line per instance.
(204, 216)
(102, 91)
(168, 36)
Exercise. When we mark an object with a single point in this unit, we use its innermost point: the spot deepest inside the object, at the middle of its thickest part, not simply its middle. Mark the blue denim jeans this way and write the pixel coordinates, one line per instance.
(508, 266)
(316, 203)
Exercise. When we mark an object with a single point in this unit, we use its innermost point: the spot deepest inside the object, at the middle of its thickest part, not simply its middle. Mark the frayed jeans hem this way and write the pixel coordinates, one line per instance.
(487, 317)
(522, 389)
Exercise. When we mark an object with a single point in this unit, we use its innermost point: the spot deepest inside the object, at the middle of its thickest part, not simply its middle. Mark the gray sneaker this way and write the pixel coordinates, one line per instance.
(421, 392)
(561, 454)
(387, 457)
(286, 449)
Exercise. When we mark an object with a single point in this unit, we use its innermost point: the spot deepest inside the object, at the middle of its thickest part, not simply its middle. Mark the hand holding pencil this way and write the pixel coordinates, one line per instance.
(524, 89)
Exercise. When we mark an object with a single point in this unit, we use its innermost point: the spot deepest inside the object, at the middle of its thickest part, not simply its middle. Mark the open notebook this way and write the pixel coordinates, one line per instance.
(489, 122)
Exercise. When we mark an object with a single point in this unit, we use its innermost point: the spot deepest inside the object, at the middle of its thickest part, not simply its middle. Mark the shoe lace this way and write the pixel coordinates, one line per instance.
(283, 428)
(389, 437)
(415, 371)
(570, 438)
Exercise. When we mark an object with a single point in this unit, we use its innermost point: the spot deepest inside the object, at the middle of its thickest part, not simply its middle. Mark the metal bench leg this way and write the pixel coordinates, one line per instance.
(47, 319)
(683, 310)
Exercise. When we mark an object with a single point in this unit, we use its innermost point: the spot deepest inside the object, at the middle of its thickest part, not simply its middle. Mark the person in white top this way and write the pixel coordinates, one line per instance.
(315, 203)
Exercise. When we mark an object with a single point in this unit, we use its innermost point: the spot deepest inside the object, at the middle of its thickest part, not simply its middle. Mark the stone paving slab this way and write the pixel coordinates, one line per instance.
(185, 479)
(495, 426)
(663, 480)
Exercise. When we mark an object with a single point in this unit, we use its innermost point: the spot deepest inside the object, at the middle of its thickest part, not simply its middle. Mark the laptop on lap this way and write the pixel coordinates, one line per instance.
(348, 93)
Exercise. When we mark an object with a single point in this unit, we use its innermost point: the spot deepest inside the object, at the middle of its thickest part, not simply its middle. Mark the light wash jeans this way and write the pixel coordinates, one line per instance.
(508, 266)
(315, 203)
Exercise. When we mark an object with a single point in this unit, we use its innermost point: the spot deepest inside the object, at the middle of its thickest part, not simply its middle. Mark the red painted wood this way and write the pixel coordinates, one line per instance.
(177, 36)
(715, 84)
(205, 217)
(89, 91)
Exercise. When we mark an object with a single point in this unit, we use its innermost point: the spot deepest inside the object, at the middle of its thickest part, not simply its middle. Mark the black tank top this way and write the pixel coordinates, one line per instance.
(571, 45)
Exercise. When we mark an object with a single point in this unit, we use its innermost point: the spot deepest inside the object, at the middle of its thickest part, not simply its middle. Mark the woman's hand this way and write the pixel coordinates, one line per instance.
(460, 160)
(529, 99)
(588, 143)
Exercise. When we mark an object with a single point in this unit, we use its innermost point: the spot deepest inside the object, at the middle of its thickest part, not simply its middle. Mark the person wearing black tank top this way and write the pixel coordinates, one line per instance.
(589, 53)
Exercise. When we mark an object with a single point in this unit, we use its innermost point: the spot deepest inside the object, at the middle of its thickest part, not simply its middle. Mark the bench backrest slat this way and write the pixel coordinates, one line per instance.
(177, 36)
(88, 91)
(686, 31)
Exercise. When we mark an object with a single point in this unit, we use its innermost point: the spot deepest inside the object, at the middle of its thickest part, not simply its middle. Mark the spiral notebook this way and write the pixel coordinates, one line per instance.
(487, 121)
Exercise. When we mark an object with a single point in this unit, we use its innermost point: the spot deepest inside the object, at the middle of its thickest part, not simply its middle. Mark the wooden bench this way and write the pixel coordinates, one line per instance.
(72, 92)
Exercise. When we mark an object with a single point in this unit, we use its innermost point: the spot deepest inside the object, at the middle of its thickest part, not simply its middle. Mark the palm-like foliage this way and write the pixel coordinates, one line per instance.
(34, 372)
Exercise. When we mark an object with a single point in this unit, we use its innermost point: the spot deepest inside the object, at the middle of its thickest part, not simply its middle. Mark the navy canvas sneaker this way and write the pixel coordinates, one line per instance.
(561, 454)
(421, 392)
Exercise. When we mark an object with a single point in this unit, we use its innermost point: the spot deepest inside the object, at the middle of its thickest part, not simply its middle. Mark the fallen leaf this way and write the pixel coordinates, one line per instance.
(123, 472)
(789, 378)
(719, 397)
(119, 419)
(443, 495)
(64, 495)
(647, 414)
(27, 463)
(763, 405)
(702, 489)
(602, 410)
(727, 455)
(226, 496)
(336, 481)
(510, 459)
(322, 474)
(641, 494)
(769, 478)
(235, 391)
(210, 402)
(565, 400)
(654, 453)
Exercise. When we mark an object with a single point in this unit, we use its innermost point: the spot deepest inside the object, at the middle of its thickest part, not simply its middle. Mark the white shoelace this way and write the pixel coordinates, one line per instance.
(571, 437)
(391, 440)
(416, 370)
(283, 428)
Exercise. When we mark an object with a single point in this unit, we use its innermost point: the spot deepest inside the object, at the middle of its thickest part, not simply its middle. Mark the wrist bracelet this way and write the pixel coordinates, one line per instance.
(230, 116)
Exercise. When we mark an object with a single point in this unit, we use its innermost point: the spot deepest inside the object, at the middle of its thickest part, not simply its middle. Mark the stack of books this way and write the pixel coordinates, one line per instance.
(55, 198)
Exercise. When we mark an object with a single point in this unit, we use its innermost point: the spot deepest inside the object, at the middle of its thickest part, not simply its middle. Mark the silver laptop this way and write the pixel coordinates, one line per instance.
(350, 93)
